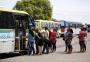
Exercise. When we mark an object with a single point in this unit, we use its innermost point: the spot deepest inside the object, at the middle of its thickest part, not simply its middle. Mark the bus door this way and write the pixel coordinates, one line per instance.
(21, 26)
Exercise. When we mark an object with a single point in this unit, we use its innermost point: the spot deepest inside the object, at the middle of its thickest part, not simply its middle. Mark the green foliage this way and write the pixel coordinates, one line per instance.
(53, 19)
(38, 9)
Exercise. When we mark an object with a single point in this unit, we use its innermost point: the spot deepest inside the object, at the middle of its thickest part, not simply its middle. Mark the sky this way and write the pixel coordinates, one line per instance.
(69, 10)
(7, 3)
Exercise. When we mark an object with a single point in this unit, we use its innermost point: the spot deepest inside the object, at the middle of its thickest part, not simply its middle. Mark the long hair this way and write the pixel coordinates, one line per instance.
(70, 30)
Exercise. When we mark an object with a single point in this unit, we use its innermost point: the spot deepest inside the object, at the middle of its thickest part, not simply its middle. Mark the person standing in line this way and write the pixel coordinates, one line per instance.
(36, 40)
(31, 42)
(53, 40)
(50, 43)
(82, 35)
(46, 41)
(39, 42)
(85, 39)
(68, 39)
(64, 38)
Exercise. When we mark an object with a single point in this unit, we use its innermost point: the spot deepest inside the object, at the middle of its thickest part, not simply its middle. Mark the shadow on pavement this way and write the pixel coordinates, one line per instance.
(10, 55)
(66, 52)
(61, 52)
(76, 52)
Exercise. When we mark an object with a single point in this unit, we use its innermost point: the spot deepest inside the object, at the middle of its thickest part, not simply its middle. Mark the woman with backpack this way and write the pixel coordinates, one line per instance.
(68, 39)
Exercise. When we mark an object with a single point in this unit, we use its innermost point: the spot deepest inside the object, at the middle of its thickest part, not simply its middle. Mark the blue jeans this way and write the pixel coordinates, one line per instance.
(45, 47)
(31, 48)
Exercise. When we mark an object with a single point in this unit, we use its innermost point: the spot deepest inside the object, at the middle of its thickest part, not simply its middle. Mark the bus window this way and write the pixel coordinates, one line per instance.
(49, 24)
(78, 26)
(42, 24)
(73, 25)
(53, 25)
(36, 24)
(21, 21)
(60, 25)
(31, 22)
(6, 18)
(46, 24)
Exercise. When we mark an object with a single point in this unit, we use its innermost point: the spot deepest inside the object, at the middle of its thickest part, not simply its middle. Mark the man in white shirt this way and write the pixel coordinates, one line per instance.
(46, 40)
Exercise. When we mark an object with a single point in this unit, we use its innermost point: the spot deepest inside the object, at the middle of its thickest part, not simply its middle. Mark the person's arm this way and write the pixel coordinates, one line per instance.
(64, 37)
(37, 35)
(48, 33)
(86, 34)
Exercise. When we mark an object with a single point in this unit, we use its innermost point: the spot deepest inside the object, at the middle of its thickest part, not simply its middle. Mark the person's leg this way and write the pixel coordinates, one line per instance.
(43, 48)
(66, 46)
(32, 46)
(50, 46)
(37, 50)
(80, 46)
(29, 48)
(47, 49)
(54, 46)
(69, 48)
(84, 46)
(40, 50)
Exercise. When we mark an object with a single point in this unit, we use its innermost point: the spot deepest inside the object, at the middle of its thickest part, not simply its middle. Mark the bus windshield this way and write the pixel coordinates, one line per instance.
(10, 20)
(6, 20)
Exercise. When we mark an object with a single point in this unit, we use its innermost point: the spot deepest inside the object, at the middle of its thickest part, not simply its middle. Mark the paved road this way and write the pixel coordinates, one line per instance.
(58, 56)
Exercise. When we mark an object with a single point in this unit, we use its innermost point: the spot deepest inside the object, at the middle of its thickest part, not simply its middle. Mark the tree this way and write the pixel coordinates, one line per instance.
(53, 19)
(38, 9)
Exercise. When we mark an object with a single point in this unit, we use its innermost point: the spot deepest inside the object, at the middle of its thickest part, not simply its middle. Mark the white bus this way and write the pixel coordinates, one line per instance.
(41, 24)
(13, 28)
